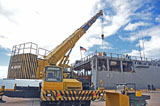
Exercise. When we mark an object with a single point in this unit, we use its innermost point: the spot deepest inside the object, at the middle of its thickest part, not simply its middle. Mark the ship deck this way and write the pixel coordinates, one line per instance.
(154, 101)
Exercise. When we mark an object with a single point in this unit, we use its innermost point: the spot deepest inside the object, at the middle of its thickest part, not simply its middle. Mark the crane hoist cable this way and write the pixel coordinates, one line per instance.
(102, 35)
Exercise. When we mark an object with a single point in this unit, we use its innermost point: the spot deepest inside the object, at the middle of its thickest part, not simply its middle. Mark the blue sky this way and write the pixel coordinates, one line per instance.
(131, 21)
(48, 23)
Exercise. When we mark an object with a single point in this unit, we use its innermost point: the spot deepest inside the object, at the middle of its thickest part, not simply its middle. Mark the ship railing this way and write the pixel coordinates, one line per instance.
(83, 60)
(123, 57)
(141, 60)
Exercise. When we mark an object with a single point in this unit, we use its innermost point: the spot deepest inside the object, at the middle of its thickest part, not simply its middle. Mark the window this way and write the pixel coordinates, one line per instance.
(53, 74)
(114, 65)
(102, 64)
(127, 66)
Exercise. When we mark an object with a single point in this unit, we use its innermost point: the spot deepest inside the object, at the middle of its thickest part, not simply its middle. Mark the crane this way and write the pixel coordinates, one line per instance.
(55, 89)
(59, 52)
(20, 63)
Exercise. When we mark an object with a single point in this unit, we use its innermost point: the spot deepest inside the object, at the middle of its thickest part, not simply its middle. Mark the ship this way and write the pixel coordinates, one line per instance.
(113, 69)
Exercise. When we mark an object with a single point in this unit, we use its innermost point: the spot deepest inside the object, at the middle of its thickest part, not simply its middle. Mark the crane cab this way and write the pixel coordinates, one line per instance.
(53, 74)
(53, 80)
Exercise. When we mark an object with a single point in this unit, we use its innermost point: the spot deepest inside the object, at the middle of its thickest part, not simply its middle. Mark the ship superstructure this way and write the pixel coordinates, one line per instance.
(114, 68)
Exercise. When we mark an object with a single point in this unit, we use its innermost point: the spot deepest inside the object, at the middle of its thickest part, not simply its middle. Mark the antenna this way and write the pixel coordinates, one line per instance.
(139, 47)
(143, 46)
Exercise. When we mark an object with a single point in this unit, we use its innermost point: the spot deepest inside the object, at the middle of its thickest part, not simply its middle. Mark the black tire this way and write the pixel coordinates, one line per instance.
(43, 103)
(87, 103)
(71, 103)
(132, 104)
(143, 103)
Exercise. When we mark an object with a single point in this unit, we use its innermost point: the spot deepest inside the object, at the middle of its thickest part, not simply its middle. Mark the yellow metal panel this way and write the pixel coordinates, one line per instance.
(70, 95)
(116, 99)
(52, 85)
(51, 97)
(70, 80)
(20, 59)
(26, 66)
(60, 96)
(138, 93)
(72, 84)
(42, 97)
(41, 68)
(22, 66)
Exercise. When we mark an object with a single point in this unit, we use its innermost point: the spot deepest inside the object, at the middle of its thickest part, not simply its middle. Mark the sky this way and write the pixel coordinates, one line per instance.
(127, 26)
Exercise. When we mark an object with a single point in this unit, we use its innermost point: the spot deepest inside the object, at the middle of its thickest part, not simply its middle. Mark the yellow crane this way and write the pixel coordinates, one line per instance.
(53, 79)
(54, 89)
(59, 53)
(28, 66)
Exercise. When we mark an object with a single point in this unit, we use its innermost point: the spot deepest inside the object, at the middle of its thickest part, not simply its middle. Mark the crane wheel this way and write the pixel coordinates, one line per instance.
(87, 103)
(43, 103)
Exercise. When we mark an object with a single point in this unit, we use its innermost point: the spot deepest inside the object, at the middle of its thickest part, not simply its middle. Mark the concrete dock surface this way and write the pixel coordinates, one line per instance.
(154, 101)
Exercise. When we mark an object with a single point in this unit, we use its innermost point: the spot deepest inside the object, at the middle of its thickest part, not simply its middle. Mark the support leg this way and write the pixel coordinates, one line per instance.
(1, 100)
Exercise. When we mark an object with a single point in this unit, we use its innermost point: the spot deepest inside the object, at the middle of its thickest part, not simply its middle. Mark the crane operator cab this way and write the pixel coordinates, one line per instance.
(53, 74)
(55, 88)
(53, 80)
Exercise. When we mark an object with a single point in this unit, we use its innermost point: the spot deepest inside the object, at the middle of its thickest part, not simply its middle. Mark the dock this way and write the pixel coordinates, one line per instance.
(154, 101)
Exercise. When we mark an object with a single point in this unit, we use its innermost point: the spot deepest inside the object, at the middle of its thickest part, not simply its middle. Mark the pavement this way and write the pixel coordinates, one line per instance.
(155, 98)
(154, 101)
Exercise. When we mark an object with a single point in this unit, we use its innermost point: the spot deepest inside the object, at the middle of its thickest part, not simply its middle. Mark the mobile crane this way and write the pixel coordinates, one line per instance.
(59, 83)
(55, 88)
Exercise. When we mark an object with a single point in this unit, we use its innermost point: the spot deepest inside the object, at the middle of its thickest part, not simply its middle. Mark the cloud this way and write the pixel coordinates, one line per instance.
(104, 47)
(151, 32)
(1, 36)
(134, 26)
(117, 13)
(131, 38)
(157, 19)
(46, 23)
(50, 27)
(6, 13)
(151, 47)
(121, 17)
(3, 71)
(134, 53)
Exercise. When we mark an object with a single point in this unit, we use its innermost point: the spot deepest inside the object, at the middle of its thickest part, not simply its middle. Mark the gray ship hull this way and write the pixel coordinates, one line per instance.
(142, 77)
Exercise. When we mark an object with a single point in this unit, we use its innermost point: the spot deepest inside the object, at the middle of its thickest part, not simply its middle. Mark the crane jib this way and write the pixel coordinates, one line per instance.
(59, 52)
(86, 26)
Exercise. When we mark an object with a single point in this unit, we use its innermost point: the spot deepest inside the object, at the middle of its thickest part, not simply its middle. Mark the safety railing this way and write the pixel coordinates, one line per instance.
(141, 60)
(29, 47)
